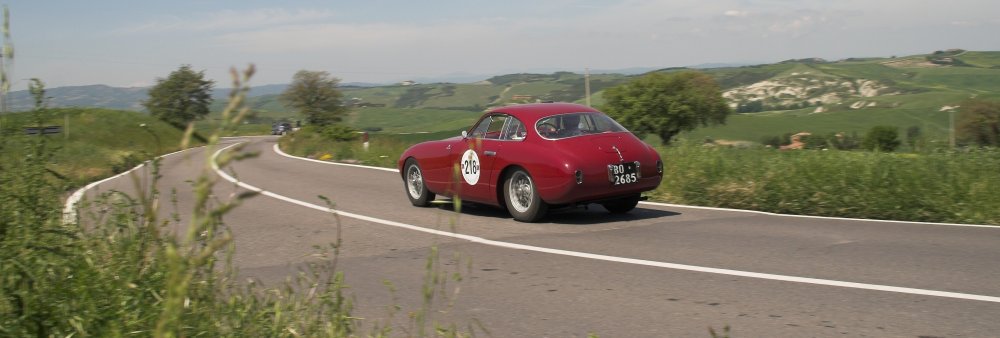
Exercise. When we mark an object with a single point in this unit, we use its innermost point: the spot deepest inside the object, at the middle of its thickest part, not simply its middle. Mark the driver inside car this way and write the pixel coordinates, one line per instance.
(570, 125)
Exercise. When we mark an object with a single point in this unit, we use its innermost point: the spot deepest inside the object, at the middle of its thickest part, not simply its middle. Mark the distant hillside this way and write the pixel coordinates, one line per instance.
(99, 96)
(809, 94)
(850, 96)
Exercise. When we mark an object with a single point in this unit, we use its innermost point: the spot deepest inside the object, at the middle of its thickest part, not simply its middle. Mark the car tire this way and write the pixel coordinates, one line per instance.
(622, 205)
(521, 197)
(413, 183)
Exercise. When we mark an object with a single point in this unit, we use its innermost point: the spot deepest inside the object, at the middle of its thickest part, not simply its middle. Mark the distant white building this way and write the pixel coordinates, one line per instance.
(408, 83)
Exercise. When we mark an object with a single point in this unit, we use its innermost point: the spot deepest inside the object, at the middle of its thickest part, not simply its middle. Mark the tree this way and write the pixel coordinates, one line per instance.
(315, 95)
(979, 122)
(667, 104)
(881, 138)
(182, 97)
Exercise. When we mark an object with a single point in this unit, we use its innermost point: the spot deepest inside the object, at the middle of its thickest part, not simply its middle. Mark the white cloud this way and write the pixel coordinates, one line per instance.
(231, 20)
(345, 37)
(735, 13)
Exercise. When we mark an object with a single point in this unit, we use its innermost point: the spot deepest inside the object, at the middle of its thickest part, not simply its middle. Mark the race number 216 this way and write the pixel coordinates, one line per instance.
(470, 167)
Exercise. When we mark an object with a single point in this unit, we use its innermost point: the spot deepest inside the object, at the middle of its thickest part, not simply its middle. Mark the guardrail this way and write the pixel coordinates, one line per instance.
(43, 130)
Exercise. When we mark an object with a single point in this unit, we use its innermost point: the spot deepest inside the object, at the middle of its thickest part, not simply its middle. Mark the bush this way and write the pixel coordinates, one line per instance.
(339, 133)
(128, 161)
(881, 138)
(772, 141)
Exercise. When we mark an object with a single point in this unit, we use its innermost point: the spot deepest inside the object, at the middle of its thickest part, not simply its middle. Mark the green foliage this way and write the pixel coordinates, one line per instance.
(314, 94)
(37, 89)
(751, 107)
(932, 187)
(36, 250)
(772, 141)
(667, 104)
(814, 141)
(979, 122)
(7, 58)
(181, 98)
(881, 138)
(338, 132)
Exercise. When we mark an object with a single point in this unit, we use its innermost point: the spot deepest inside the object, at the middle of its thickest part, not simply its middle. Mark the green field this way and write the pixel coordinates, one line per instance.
(911, 94)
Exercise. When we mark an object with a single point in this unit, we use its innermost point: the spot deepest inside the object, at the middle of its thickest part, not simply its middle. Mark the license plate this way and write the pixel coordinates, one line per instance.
(623, 173)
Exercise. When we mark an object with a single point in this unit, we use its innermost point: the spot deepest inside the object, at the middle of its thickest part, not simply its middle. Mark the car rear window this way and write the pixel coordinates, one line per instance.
(576, 124)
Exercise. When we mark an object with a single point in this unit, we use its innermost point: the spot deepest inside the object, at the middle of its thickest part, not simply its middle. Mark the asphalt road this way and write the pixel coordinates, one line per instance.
(659, 271)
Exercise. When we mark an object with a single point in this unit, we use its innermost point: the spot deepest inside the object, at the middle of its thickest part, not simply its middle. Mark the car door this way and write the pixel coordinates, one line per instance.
(475, 161)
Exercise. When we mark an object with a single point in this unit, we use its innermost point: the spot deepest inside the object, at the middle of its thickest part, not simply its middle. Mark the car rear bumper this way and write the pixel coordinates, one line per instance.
(594, 188)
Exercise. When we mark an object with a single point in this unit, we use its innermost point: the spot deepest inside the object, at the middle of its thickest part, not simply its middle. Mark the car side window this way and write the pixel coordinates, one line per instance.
(480, 128)
(515, 130)
(490, 127)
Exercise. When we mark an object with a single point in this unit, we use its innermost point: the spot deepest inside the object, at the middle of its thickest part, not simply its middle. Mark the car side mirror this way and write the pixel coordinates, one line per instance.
(465, 134)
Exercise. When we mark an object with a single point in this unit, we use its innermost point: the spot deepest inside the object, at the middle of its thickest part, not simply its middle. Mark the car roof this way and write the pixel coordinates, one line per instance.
(535, 111)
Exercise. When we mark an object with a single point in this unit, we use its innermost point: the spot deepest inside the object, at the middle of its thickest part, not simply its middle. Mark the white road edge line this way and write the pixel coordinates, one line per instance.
(69, 208)
(675, 266)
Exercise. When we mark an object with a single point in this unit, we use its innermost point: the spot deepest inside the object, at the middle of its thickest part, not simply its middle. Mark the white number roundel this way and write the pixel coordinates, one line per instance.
(470, 167)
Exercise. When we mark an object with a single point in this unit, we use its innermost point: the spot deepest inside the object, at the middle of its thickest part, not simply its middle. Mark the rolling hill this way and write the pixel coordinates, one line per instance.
(812, 95)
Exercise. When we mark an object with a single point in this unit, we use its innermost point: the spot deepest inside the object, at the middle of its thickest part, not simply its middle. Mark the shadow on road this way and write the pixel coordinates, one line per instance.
(593, 214)
(596, 214)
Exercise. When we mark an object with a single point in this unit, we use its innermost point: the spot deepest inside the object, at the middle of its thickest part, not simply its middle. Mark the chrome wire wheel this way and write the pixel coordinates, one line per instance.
(414, 182)
(521, 197)
(521, 192)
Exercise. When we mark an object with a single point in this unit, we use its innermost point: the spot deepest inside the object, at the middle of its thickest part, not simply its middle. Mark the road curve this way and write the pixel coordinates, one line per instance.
(845, 277)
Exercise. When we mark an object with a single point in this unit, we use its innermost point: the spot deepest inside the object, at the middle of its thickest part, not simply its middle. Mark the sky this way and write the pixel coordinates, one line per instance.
(132, 43)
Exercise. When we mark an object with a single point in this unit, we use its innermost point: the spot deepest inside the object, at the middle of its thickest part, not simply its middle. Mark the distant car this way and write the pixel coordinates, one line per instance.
(527, 158)
(281, 128)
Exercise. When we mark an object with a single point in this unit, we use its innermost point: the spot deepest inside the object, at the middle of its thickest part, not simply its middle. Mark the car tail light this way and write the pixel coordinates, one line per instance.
(579, 177)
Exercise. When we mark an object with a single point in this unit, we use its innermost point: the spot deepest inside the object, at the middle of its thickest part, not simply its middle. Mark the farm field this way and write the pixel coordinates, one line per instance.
(847, 96)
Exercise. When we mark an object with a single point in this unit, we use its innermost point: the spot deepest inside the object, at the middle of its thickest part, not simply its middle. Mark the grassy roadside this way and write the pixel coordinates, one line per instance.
(953, 187)
(94, 143)
(126, 269)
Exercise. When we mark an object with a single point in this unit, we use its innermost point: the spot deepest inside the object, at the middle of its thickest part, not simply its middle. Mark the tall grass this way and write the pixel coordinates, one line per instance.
(119, 272)
(942, 186)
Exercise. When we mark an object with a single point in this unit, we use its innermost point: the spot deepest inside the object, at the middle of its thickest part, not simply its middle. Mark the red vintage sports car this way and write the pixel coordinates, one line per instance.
(527, 158)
